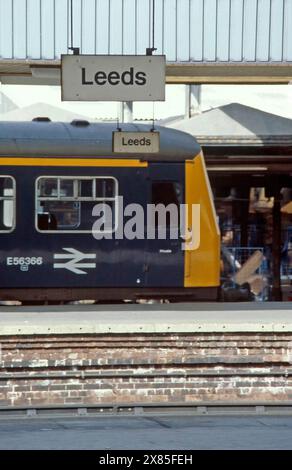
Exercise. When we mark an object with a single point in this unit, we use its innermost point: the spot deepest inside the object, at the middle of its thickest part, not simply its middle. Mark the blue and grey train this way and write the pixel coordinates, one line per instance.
(52, 175)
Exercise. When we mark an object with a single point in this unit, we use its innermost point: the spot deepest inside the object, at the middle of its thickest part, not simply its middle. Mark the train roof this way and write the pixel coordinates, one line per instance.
(84, 139)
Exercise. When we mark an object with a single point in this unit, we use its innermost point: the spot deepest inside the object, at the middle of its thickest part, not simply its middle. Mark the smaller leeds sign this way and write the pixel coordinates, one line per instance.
(136, 142)
(113, 78)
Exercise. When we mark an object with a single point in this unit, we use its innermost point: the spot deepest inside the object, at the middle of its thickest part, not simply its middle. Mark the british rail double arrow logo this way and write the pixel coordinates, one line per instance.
(74, 261)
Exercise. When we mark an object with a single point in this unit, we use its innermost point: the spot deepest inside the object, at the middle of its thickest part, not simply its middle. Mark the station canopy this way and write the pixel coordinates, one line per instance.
(235, 124)
(205, 41)
(242, 145)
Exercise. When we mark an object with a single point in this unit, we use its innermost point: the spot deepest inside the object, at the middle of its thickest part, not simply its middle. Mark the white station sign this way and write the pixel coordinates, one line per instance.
(113, 78)
(136, 142)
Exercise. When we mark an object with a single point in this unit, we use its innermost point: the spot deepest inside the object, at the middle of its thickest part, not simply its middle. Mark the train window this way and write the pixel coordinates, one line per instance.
(165, 193)
(66, 203)
(105, 188)
(85, 188)
(7, 203)
(61, 215)
(48, 187)
(67, 188)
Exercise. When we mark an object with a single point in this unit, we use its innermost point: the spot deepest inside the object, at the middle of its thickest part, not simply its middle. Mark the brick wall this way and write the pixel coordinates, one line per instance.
(162, 368)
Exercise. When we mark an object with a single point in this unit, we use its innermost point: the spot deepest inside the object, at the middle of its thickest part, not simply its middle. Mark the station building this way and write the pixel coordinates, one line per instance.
(249, 159)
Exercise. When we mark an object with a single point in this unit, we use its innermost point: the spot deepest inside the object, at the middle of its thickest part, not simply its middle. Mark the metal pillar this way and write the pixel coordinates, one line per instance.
(276, 248)
(243, 207)
(126, 111)
(193, 95)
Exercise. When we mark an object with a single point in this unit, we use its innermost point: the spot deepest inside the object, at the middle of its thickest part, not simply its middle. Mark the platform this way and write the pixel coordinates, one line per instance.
(112, 355)
(150, 318)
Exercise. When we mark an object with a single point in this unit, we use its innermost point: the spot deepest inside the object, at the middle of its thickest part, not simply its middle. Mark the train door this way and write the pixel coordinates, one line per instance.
(130, 240)
(165, 259)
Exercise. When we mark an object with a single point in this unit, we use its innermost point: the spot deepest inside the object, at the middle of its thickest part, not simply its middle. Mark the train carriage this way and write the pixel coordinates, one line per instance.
(54, 177)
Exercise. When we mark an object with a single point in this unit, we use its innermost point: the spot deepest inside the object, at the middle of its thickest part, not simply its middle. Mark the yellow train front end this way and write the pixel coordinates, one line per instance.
(202, 247)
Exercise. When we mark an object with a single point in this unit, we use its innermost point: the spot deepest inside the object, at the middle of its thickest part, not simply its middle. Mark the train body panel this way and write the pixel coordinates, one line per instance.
(201, 265)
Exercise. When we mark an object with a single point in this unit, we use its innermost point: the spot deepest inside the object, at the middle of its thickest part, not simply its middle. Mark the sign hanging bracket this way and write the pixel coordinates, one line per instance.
(119, 129)
(76, 50)
(150, 50)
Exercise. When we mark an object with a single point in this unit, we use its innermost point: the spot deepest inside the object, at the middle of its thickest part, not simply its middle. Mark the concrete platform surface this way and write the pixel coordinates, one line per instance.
(146, 318)
(151, 432)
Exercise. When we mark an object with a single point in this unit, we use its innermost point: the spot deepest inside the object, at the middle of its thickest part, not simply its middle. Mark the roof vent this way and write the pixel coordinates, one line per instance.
(80, 123)
(42, 119)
